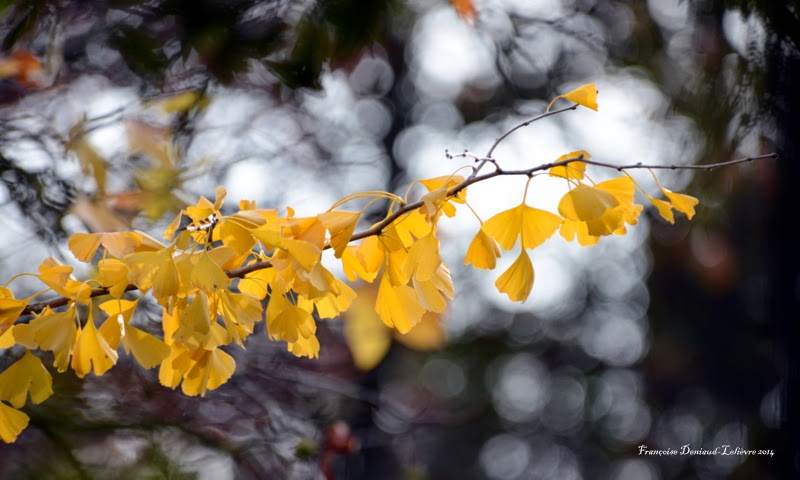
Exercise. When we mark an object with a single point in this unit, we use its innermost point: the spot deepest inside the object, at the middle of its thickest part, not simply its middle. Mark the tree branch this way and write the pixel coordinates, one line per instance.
(378, 228)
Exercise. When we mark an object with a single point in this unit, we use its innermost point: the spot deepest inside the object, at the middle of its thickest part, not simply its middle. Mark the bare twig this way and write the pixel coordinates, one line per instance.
(488, 157)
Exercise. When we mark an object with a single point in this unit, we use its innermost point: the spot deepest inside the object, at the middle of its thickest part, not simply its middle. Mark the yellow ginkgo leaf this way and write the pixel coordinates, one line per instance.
(10, 308)
(113, 274)
(84, 245)
(149, 244)
(196, 328)
(306, 253)
(681, 202)
(572, 228)
(447, 181)
(443, 281)
(353, 267)
(307, 229)
(175, 366)
(371, 253)
(290, 324)
(573, 170)
(436, 200)
(327, 293)
(431, 293)
(517, 281)
(156, 269)
(397, 305)
(118, 244)
(394, 267)
(241, 308)
(434, 203)
(171, 320)
(533, 224)
(505, 227)
(304, 347)
(584, 203)
(12, 423)
(341, 226)
(402, 233)
(51, 331)
(592, 212)
(123, 307)
(368, 338)
(257, 283)
(57, 277)
(112, 329)
(423, 258)
(239, 312)
(428, 335)
(212, 369)
(428, 296)
(268, 234)
(585, 95)
(7, 339)
(147, 349)
(92, 352)
(235, 236)
(172, 227)
(207, 275)
(537, 226)
(27, 376)
(483, 252)
(201, 211)
(623, 189)
(664, 209)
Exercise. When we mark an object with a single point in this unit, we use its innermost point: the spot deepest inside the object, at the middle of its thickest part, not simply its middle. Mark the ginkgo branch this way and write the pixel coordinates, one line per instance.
(378, 228)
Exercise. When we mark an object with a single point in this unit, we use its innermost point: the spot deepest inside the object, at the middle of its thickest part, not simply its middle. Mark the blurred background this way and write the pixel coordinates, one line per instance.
(116, 114)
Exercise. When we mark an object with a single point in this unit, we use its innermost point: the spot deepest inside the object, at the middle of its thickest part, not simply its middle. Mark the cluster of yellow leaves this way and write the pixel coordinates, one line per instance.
(220, 275)
(405, 254)
(586, 213)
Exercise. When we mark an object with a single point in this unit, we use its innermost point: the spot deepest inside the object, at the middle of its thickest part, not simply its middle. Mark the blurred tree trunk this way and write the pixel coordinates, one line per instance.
(784, 72)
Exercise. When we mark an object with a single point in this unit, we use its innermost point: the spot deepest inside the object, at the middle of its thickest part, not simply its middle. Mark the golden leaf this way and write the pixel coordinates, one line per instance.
(483, 252)
(207, 275)
(147, 349)
(426, 336)
(211, 369)
(585, 95)
(397, 305)
(51, 331)
(10, 308)
(423, 258)
(534, 225)
(368, 338)
(517, 281)
(341, 226)
(92, 352)
(113, 274)
(27, 376)
(12, 423)
(304, 347)
(573, 170)
(290, 324)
